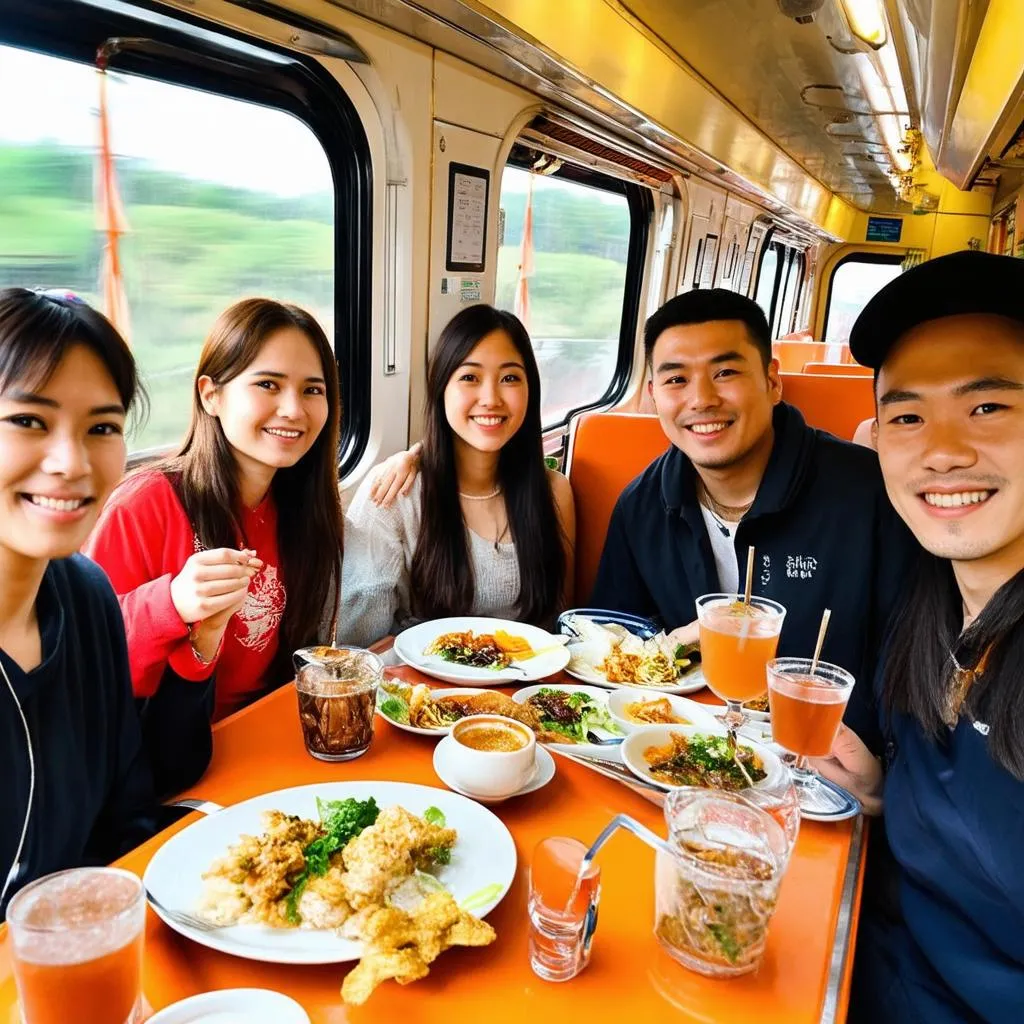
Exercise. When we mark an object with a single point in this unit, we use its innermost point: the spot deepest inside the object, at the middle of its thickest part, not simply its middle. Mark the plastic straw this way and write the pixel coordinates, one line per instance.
(821, 639)
(750, 574)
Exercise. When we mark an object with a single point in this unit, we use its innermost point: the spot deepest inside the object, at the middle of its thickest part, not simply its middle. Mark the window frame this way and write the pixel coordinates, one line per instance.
(184, 55)
(640, 204)
(780, 253)
(878, 258)
(795, 263)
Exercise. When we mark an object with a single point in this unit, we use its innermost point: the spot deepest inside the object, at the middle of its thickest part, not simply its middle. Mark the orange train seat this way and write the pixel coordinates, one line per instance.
(793, 354)
(839, 369)
(608, 449)
(831, 402)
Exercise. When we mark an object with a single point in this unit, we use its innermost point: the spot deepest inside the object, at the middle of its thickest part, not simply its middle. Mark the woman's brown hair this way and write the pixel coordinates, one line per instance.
(309, 514)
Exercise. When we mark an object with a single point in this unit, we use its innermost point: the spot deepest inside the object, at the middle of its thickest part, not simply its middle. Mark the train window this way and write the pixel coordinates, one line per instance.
(222, 199)
(793, 280)
(582, 297)
(854, 281)
(767, 279)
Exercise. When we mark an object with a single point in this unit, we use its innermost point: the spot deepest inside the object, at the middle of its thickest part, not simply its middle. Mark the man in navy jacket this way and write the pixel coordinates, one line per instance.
(745, 470)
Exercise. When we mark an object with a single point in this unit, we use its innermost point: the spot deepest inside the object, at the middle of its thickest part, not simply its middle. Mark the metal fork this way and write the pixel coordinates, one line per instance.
(180, 917)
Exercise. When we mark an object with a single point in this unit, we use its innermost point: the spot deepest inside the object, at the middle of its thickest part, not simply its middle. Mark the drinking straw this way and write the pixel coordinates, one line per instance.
(750, 574)
(821, 639)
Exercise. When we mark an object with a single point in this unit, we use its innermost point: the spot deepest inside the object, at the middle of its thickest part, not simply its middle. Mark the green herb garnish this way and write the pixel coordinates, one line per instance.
(726, 941)
(435, 816)
(342, 821)
(396, 710)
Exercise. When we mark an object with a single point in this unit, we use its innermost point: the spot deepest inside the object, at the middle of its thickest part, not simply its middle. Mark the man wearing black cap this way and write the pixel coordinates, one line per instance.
(946, 341)
(745, 470)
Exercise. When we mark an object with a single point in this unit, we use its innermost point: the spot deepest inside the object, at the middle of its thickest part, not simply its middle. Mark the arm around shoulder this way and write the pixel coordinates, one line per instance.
(374, 580)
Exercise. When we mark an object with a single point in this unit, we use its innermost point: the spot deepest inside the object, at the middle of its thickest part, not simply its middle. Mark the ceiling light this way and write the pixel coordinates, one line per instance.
(875, 90)
(893, 78)
(866, 21)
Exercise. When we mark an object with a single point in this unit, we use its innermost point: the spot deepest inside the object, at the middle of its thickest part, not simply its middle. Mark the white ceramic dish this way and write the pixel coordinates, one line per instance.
(579, 669)
(411, 644)
(600, 695)
(544, 772)
(483, 856)
(695, 713)
(458, 691)
(637, 742)
(234, 1006)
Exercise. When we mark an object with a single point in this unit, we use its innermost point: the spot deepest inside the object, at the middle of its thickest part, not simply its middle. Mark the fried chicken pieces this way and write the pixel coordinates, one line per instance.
(252, 882)
(402, 944)
(389, 851)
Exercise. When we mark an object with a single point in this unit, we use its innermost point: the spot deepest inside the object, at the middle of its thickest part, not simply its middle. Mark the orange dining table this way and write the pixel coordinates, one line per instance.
(804, 977)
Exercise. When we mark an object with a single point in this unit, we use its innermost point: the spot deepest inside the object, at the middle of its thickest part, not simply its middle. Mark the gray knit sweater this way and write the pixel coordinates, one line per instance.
(379, 545)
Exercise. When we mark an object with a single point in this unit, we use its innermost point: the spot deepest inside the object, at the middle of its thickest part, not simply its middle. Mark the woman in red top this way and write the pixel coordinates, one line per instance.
(225, 557)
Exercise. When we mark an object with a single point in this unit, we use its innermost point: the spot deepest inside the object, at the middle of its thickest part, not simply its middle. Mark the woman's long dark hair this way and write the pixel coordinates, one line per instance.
(441, 573)
(925, 639)
(309, 515)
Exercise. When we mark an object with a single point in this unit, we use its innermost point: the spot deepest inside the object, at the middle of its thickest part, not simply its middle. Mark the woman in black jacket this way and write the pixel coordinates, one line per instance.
(76, 787)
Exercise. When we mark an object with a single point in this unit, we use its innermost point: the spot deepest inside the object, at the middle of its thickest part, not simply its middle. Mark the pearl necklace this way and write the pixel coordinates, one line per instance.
(481, 497)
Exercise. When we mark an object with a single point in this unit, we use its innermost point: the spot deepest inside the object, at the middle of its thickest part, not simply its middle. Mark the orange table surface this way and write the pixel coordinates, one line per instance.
(804, 975)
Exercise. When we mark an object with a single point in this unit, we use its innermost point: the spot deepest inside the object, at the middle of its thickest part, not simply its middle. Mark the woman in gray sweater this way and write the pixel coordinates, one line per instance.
(486, 528)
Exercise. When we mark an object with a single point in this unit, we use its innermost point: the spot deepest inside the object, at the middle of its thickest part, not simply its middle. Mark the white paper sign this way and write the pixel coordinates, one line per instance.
(468, 214)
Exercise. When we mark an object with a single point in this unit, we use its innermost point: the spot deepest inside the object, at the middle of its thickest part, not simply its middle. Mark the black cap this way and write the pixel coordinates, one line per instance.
(962, 282)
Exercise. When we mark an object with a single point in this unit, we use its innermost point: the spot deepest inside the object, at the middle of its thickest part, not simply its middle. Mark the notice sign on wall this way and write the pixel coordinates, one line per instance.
(884, 229)
(467, 218)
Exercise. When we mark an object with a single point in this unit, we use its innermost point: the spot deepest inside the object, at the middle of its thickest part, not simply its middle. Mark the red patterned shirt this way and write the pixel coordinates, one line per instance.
(142, 541)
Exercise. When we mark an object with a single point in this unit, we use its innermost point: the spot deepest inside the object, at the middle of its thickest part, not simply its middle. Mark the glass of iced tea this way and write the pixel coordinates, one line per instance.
(337, 690)
(807, 702)
(76, 939)
(737, 640)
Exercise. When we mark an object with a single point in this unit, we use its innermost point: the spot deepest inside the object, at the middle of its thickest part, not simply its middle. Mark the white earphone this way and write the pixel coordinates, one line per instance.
(15, 870)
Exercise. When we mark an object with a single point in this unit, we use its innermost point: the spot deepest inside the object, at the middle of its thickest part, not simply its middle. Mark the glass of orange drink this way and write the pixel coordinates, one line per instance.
(807, 702)
(737, 640)
(76, 938)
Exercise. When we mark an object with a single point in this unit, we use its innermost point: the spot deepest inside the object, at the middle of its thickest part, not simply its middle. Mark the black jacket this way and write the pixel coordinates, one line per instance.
(93, 793)
(824, 533)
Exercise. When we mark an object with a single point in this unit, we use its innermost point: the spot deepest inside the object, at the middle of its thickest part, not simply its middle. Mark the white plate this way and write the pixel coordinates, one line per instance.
(689, 683)
(411, 643)
(234, 1006)
(543, 773)
(636, 743)
(754, 716)
(484, 855)
(460, 691)
(600, 695)
(697, 714)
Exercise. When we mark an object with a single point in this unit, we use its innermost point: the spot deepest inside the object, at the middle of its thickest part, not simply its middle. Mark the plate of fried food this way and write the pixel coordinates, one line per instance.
(432, 712)
(614, 650)
(387, 873)
(559, 714)
(479, 651)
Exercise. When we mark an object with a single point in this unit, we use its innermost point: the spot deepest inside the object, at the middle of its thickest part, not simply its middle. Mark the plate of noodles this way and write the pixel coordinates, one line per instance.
(610, 654)
(476, 651)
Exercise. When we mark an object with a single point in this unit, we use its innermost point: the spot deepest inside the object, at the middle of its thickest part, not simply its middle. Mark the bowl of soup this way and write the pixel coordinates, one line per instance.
(491, 756)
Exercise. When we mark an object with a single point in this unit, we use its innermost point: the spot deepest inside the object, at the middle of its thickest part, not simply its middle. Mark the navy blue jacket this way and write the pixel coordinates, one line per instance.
(93, 797)
(825, 536)
(946, 946)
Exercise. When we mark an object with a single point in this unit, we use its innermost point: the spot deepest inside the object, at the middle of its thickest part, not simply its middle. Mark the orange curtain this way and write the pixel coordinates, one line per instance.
(522, 301)
(111, 220)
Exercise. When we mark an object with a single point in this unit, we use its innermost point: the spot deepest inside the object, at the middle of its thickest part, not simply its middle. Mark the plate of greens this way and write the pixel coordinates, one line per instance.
(574, 717)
